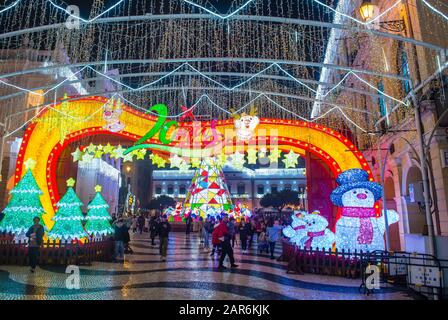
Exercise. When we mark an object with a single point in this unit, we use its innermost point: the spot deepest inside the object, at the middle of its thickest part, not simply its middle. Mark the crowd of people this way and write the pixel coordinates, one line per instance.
(218, 235)
(225, 232)
(156, 225)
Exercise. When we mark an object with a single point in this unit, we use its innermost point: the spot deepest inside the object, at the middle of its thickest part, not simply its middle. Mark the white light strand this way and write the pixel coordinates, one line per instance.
(320, 95)
(227, 16)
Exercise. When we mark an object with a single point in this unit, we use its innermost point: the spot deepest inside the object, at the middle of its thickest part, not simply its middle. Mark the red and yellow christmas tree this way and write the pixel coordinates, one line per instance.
(208, 193)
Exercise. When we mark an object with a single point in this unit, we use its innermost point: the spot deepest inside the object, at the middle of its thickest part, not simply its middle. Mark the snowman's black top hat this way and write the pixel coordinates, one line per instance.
(352, 179)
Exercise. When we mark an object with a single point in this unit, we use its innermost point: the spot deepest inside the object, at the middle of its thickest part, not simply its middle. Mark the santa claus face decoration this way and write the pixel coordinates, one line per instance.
(245, 124)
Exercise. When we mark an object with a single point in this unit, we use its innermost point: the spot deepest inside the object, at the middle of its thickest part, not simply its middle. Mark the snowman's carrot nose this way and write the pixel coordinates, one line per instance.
(361, 196)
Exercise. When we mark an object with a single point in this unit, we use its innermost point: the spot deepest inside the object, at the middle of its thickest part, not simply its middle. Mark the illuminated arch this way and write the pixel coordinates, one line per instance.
(42, 142)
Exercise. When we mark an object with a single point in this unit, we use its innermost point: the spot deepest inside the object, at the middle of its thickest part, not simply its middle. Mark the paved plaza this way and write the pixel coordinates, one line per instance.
(187, 274)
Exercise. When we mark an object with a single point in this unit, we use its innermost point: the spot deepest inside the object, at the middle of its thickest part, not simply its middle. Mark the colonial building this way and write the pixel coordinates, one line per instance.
(407, 82)
(247, 186)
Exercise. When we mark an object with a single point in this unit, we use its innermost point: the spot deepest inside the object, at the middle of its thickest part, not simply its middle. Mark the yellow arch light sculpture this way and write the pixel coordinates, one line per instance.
(42, 141)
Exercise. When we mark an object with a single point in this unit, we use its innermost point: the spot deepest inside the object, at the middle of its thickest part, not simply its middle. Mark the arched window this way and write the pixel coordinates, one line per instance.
(170, 189)
(158, 189)
(288, 187)
(274, 189)
(260, 189)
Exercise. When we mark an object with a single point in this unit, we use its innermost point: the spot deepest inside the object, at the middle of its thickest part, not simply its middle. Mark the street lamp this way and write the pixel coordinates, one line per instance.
(369, 11)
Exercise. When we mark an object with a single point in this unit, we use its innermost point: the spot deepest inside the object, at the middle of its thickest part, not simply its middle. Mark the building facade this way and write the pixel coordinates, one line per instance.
(387, 110)
(247, 186)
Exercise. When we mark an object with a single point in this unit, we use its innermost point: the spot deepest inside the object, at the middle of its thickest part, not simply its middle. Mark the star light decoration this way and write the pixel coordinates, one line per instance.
(118, 152)
(195, 162)
(108, 148)
(222, 159)
(290, 159)
(30, 164)
(98, 188)
(252, 156)
(184, 167)
(237, 160)
(71, 182)
(157, 160)
(127, 157)
(87, 157)
(176, 161)
(140, 154)
(77, 155)
(274, 155)
(98, 153)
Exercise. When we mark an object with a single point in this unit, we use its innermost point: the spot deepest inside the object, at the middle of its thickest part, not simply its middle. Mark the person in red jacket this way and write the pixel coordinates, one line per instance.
(224, 237)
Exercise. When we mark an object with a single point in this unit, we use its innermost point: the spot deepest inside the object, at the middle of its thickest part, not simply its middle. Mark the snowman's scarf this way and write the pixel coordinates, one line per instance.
(365, 235)
(312, 235)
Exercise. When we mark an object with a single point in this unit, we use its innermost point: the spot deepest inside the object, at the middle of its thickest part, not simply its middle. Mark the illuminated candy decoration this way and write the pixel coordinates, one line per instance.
(310, 231)
(359, 228)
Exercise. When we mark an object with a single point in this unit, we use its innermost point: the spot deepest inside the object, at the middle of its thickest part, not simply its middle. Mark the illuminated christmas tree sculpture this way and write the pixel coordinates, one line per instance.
(98, 217)
(68, 218)
(24, 204)
(208, 193)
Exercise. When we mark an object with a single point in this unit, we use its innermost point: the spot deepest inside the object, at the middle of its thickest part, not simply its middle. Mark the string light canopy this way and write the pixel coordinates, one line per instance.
(213, 55)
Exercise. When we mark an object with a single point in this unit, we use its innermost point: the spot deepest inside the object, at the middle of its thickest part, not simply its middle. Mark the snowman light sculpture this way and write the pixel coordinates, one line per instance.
(317, 234)
(359, 228)
(310, 231)
(296, 230)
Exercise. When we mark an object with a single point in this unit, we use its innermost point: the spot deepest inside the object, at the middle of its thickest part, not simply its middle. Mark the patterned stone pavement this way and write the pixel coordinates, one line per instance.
(187, 274)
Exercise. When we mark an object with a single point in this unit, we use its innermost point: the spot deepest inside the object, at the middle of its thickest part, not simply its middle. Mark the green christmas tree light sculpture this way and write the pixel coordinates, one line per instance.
(68, 218)
(24, 204)
(98, 218)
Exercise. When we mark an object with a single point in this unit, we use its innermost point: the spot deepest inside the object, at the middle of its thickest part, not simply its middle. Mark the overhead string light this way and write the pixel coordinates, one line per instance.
(131, 58)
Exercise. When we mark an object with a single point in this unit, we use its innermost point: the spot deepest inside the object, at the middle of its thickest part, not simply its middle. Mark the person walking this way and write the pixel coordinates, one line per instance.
(206, 232)
(251, 232)
(120, 237)
(147, 222)
(163, 231)
(141, 223)
(134, 224)
(200, 228)
(244, 231)
(153, 228)
(215, 239)
(188, 222)
(226, 248)
(231, 230)
(35, 234)
(273, 234)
